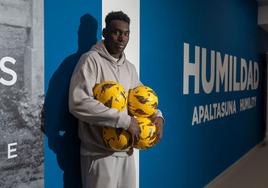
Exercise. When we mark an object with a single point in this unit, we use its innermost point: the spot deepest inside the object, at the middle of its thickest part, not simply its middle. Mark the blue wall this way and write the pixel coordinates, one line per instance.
(71, 27)
(191, 156)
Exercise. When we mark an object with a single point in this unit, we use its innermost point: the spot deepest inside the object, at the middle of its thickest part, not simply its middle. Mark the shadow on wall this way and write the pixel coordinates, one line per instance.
(60, 126)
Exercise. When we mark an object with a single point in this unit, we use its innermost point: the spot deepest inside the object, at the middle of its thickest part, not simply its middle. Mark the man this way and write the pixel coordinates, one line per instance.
(106, 61)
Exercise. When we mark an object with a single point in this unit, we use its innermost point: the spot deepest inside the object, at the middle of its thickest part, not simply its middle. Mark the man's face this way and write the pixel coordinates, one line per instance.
(116, 37)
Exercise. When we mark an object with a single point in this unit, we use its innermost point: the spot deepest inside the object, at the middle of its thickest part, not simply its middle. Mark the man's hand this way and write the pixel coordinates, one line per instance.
(159, 122)
(134, 130)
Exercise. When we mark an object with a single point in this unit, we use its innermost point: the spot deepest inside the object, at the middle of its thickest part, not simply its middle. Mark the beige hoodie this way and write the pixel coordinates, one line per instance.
(94, 67)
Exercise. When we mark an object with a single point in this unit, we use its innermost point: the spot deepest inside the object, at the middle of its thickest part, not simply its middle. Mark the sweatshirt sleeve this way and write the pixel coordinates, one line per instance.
(82, 103)
(136, 82)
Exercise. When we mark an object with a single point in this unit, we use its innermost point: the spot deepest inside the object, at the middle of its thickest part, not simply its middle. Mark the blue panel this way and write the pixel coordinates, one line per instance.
(71, 27)
(191, 156)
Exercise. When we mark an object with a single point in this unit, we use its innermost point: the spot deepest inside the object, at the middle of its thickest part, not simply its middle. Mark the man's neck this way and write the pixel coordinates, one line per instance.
(117, 56)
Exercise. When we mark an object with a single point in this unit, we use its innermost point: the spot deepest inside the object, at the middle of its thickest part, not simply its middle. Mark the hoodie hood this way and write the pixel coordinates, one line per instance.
(102, 51)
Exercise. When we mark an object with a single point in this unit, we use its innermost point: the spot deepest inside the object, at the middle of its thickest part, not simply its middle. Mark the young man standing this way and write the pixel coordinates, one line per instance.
(106, 61)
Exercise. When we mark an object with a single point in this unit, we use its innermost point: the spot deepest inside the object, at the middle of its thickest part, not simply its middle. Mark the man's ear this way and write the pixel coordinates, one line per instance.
(104, 33)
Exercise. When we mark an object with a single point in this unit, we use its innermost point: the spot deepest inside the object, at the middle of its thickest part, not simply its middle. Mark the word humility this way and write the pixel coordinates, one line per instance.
(220, 74)
(217, 110)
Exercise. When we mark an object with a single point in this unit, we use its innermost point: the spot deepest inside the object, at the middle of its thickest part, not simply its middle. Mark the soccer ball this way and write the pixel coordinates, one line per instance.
(116, 139)
(142, 101)
(111, 94)
(148, 136)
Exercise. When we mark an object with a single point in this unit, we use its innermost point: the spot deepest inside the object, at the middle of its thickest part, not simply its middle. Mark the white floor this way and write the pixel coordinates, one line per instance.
(251, 171)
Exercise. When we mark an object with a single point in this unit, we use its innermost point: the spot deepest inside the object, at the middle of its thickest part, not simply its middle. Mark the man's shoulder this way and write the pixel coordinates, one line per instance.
(89, 57)
(90, 54)
(128, 63)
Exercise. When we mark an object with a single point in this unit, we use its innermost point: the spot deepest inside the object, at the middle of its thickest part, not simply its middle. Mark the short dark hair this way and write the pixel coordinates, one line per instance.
(118, 15)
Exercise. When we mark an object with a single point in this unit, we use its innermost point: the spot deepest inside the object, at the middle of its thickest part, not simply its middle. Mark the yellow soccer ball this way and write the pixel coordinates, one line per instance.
(116, 139)
(148, 136)
(111, 94)
(142, 101)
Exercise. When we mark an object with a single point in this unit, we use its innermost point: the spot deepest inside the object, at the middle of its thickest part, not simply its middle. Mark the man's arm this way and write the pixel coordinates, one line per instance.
(82, 103)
